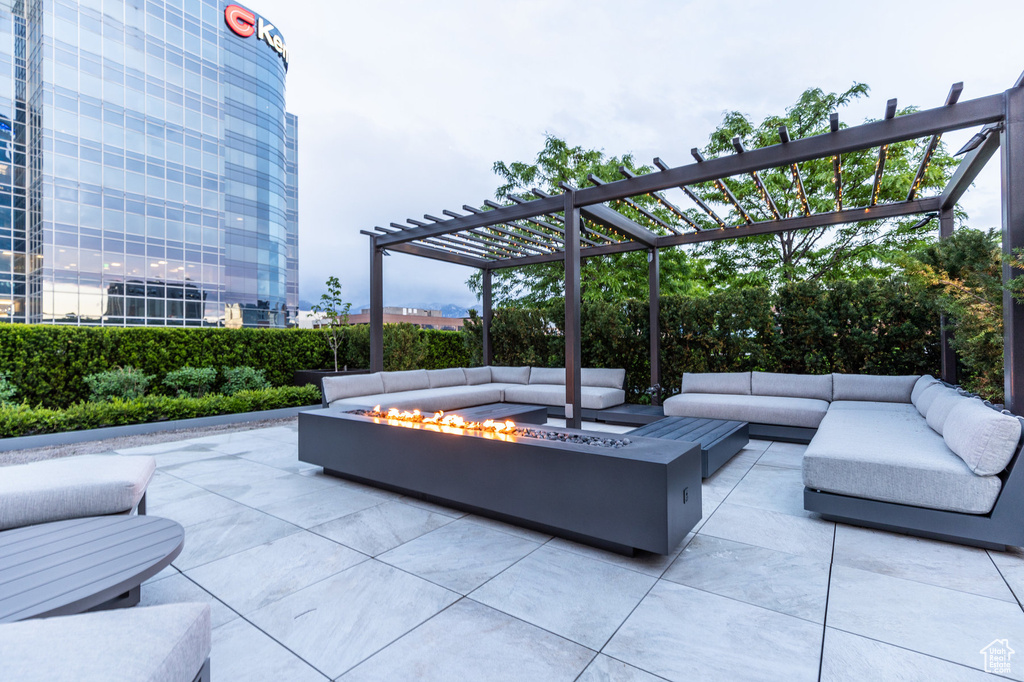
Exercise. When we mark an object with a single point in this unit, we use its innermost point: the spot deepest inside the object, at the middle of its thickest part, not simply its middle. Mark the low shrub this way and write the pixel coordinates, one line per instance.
(23, 420)
(126, 383)
(8, 391)
(243, 379)
(191, 382)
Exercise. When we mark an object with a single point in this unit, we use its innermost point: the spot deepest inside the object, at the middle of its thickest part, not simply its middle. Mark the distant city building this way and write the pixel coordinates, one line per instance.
(421, 317)
(148, 168)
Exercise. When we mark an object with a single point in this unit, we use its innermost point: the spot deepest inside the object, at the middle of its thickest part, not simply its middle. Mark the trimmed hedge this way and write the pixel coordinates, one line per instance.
(22, 420)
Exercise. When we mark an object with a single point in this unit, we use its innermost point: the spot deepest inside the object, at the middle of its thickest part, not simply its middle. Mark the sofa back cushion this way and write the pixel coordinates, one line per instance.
(336, 388)
(547, 375)
(602, 378)
(939, 407)
(412, 380)
(818, 386)
(453, 376)
(926, 397)
(510, 375)
(731, 383)
(981, 437)
(874, 387)
(923, 384)
(477, 375)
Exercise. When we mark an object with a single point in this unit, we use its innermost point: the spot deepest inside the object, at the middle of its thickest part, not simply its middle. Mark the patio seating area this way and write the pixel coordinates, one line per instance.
(311, 577)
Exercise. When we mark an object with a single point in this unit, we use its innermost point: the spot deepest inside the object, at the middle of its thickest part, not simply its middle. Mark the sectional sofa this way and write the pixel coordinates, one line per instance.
(904, 453)
(458, 387)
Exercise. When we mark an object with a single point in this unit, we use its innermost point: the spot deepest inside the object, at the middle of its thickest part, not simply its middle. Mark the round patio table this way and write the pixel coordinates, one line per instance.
(67, 567)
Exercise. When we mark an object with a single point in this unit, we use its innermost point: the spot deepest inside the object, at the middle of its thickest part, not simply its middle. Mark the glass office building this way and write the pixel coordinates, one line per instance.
(147, 165)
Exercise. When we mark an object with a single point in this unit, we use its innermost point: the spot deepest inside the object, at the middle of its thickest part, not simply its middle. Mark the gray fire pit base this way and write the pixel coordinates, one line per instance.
(646, 495)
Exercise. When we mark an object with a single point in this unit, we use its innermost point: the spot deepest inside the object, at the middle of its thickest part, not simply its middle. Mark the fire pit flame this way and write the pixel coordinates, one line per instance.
(448, 423)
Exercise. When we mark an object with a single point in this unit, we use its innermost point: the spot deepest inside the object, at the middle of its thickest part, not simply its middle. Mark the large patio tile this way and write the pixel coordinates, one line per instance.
(242, 652)
(785, 455)
(758, 444)
(223, 536)
(579, 598)
(262, 492)
(605, 669)
(850, 658)
(176, 589)
(184, 455)
(279, 456)
(432, 507)
(772, 530)
(469, 641)
(647, 563)
(460, 556)
(773, 488)
(525, 533)
(197, 506)
(326, 504)
(940, 622)
(223, 469)
(684, 634)
(788, 583)
(1011, 566)
(338, 622)
(255, 577)
(287, 434)
(237, 442)
(165, 447)
(382, 527)
(944, 564)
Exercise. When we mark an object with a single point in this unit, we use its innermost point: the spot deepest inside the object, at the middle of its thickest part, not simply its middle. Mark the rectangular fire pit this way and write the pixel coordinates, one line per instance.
(644, 495)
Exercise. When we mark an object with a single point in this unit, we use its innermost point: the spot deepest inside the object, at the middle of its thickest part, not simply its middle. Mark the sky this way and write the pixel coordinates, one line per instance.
(404, 106)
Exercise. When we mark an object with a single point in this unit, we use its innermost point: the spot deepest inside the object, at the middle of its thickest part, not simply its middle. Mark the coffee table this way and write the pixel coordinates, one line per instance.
(719, 440)
(96, 563)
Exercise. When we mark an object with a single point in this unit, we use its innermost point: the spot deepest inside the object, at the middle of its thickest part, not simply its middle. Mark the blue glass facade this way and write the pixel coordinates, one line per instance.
(147, 167)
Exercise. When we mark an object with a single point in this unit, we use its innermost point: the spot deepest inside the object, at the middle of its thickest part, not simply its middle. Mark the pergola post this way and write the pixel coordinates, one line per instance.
(573, 346)
(654, 287)
(948, 354)
(488, 353)
(1012, 157)
(376, 307)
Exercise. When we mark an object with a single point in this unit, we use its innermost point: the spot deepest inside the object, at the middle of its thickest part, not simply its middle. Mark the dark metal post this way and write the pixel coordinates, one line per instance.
(488, 353)
(948, 354)
(654, 286)
(573, 350)
(1012, 154)
(376, 307)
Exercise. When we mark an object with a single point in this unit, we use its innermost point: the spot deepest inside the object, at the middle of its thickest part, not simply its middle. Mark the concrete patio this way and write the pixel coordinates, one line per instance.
(312, 578)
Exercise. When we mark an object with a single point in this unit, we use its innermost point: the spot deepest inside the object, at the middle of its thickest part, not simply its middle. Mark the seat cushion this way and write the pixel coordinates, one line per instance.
(477, 375)
(757, 409)
(923, 384)
(72, 487)
(547, 375)
(166, 643)
(872, 405)
(429, 399)
(510, 375)
(336, 388)
(733, 383)
(603, 377)
(591, 397)
(983, 438)
(893, 457)
(411, 380)
(817, 386)
(884, 389)
(453, 376)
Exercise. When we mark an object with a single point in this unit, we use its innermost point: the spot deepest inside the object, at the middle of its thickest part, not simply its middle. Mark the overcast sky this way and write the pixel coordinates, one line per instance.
(404, 106)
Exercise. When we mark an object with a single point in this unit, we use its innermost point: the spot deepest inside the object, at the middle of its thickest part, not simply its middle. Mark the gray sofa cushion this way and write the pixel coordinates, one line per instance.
(758, 409)
(72, 487)
(336, 388)
(411, 380)
(477, 375)
(817, 386)
(429, 399)
(603, 377)
(920, 386)
(926, 397)
(166, 643)
(884, 389)
(510, 375)
(872, 405)
(591, 397)
(893, 457)
(732, 383)
(547, 375)
(940, 407)
(983, 438)
(440, 378)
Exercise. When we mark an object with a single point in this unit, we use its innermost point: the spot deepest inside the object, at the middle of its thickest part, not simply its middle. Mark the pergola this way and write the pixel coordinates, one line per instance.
(578, 223)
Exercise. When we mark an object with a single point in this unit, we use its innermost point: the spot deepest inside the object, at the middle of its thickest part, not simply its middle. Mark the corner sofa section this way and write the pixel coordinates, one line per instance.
(459, 387)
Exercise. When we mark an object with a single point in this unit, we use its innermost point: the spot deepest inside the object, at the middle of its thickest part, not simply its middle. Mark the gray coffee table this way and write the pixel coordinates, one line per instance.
(719, 440)
(67, 567)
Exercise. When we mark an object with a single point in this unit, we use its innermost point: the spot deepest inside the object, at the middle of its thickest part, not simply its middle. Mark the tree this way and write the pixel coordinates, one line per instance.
(332, 315)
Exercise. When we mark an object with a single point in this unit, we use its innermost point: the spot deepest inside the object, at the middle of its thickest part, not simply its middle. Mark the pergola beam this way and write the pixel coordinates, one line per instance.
(737, 144)
(837, 163)
(664, 202)
(635, 206)
(883, 151)
(724, 189)
(798, 181)
(969, 168)
(933, 143)
(436, 254)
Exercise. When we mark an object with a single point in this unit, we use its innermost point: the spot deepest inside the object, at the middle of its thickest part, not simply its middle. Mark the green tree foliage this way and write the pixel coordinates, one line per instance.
(332, 317)
(238, 379)
(194, 382)
(122, 383)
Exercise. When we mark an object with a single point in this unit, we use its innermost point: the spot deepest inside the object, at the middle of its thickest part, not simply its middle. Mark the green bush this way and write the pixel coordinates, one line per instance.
(193, 382)
(8, 391)
(22, 420)
(125, 383)
(238, 379)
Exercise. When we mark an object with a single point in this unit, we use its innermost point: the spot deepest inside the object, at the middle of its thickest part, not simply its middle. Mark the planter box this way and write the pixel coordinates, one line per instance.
(646, 495)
